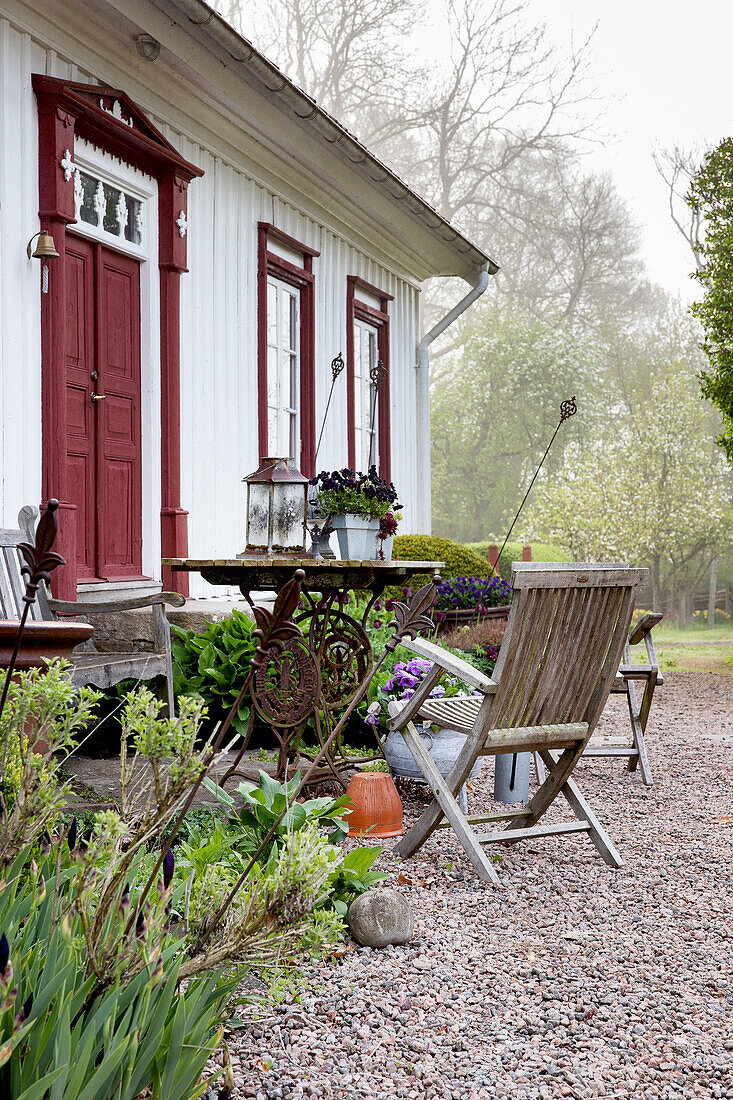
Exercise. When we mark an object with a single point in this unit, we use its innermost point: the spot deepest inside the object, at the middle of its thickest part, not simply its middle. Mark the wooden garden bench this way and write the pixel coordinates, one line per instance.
(101, 670)
(557, 665)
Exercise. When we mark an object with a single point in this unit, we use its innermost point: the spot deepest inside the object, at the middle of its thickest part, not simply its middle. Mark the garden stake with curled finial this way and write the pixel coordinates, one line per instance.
(39, 561)
(568, 408)
(321, 533)
(337, 366)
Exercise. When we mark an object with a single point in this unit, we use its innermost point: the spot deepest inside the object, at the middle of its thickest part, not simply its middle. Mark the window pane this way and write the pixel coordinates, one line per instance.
(283, 370)
(271, 314)
(366, 348)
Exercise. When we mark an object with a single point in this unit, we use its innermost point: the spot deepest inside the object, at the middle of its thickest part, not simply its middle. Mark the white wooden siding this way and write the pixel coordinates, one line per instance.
(218, 321)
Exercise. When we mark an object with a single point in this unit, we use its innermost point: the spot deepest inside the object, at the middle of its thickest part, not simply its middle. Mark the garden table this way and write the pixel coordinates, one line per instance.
(317, 676)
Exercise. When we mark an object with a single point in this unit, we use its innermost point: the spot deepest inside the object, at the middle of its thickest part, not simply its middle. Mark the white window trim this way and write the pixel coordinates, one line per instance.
(145, 188)
(362, 434)
(292, 413)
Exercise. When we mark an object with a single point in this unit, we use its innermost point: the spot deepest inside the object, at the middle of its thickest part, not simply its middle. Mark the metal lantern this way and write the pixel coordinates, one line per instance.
(276, 503)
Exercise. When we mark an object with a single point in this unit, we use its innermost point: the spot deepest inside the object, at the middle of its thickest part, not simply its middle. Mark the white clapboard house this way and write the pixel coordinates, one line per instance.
(220, 240)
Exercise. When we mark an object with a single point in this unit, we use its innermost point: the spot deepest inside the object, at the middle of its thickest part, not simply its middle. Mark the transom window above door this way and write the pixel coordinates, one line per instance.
(111, 201)
(366, 412)
(283, 369)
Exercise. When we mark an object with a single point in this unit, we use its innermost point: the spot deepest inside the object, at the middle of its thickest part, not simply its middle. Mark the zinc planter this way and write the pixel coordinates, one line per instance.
(357, 536)
(507, 787)
(376, 807)
(384, 548)
(443, 745)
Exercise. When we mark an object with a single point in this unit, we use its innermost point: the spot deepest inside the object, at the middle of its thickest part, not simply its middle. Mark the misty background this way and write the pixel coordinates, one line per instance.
(538, 141)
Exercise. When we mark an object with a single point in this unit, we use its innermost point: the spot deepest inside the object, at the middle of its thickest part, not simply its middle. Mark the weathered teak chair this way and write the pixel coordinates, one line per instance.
(629, 675)
(556, 667)
(101, 670)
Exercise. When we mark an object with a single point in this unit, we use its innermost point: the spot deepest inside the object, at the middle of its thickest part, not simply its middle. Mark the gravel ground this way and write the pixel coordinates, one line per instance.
(568, 980)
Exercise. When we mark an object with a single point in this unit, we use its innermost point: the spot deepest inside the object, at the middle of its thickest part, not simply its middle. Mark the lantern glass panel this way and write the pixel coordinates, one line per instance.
(258, 515)
(288, 516)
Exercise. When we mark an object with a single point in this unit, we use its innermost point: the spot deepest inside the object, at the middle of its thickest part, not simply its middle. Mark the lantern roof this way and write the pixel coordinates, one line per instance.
(273, 470)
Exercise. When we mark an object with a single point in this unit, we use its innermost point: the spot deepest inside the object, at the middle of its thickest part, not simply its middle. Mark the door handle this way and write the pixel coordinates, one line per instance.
(98, 396)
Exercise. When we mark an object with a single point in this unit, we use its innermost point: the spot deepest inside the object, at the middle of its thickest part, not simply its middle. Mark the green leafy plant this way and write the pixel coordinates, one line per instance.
(354, 877)
(106, 1000)
(263, 804)
(63, 1035)
(212, 665)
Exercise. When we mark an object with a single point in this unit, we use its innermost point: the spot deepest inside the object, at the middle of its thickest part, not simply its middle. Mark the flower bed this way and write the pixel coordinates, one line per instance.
(467, 599)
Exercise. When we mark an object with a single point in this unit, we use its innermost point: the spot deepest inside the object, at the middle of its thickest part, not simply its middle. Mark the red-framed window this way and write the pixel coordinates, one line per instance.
(286, 390)
(367, 344)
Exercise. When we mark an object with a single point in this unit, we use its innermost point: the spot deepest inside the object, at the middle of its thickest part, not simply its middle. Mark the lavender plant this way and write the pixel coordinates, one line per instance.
(89, 999)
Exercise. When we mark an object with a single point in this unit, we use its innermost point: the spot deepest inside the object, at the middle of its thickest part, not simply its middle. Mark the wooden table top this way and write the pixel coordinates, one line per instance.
(261, 572)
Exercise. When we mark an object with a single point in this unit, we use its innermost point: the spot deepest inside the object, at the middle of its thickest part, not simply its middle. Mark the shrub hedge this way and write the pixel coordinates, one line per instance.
(460, 561)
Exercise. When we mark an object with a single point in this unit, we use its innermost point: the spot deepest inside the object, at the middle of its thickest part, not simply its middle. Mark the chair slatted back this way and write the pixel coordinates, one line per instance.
(563, 644)
(12, 581)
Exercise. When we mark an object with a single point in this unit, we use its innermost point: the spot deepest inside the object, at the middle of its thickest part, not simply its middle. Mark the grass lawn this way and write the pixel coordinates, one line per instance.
(694, 649)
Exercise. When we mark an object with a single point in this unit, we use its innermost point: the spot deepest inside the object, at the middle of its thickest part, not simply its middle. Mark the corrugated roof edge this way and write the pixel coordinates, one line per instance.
(201, 15)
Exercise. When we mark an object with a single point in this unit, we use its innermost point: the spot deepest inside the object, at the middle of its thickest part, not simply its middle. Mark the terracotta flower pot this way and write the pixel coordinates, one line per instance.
(41, 641)
(376, 806)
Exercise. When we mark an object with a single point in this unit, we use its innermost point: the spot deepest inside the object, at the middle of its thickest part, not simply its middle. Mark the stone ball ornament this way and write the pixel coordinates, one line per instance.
(380, 917)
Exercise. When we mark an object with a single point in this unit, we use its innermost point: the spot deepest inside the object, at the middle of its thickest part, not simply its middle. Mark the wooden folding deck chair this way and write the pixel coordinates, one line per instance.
(561, 652)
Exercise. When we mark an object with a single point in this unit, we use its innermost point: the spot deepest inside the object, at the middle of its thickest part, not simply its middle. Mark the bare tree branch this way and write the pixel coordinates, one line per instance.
(677, 166)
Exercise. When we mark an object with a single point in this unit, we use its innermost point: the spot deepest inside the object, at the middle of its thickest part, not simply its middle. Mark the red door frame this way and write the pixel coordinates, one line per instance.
(268, 263)
(379, 318)
(67, 109)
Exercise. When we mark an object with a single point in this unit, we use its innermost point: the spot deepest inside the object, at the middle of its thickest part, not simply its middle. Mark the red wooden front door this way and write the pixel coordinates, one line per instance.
(103, 409)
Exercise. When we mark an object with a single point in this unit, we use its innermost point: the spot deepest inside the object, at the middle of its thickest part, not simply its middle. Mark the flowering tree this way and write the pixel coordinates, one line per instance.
(495, 408)
(657, 494)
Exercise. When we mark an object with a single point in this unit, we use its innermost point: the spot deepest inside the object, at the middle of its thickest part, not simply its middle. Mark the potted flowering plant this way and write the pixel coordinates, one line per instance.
(442, 744)
(466, 599)
(362, 508)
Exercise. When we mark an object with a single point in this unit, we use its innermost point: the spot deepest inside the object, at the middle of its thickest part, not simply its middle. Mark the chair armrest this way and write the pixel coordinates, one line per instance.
(71, 607)
(644, 625)
(456, 666)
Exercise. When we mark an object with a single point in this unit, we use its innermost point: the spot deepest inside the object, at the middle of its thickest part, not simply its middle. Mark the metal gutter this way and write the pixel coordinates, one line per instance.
(242, 52)
(423, 393)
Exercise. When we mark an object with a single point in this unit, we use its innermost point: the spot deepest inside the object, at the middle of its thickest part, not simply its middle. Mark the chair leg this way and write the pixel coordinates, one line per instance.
(582, 811)
(540, 768)
(639, 743)
(445, 800)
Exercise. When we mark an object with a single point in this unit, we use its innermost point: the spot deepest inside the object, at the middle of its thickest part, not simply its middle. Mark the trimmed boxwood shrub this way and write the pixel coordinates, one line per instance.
(459, 560)
(541, 551)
